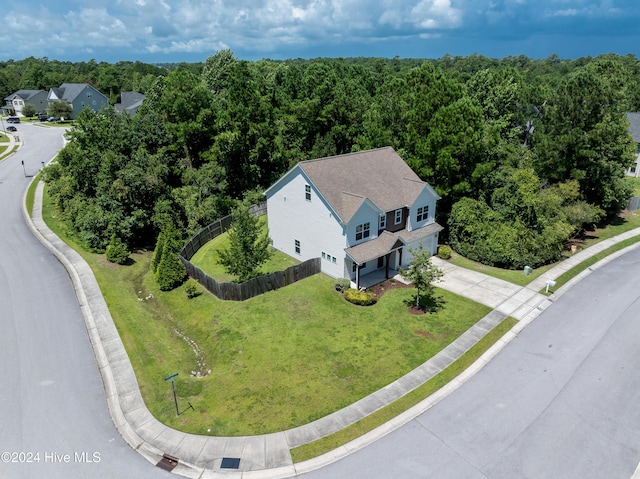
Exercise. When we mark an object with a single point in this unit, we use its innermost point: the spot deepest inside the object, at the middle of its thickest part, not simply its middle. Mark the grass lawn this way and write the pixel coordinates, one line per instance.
(328, 443)
(277, 361)
(206, 258)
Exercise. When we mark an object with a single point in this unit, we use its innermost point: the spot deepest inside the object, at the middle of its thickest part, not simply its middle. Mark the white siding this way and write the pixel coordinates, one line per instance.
(424, 199)
(430, 243)
(291, 217)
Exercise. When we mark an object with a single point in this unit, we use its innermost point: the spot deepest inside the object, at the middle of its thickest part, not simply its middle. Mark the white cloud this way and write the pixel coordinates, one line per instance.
(203, 26)
(432, 14)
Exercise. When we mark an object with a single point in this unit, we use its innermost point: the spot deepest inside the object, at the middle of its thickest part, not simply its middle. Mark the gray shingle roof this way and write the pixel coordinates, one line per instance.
(380, 175)
(388, 241)
(24, 94)
(634, 126)
(129, 99)
(72, 90)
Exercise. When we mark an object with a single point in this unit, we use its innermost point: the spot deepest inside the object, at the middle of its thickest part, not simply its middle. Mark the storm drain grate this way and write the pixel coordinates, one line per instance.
(168, 463)
(230, 463)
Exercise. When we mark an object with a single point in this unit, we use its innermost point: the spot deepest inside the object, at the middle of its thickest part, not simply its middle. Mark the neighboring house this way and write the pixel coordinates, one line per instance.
(79, 96)
(634, 129)
(360, 213)
(130, 101)
(16, 101)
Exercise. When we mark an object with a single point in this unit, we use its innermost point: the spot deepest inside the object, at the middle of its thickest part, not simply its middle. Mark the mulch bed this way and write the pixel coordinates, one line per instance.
(387, 285)
(417, 311)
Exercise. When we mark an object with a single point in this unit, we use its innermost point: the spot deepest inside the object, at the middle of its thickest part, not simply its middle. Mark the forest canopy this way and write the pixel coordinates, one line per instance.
(525, 153)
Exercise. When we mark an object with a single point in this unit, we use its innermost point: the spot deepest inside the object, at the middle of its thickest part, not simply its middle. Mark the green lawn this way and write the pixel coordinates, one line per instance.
(333, 441)
(277, 361)
(513, 276)
(206, 258)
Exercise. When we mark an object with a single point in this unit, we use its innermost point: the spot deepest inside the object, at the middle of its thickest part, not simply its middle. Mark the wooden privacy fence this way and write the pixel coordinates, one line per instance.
(248, 289)
(255, 286)
(216, 228)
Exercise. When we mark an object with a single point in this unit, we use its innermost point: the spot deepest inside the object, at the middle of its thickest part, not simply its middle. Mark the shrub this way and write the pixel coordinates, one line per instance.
(117, 251)
(171, 273)
(444, 252)
(192, 290)
(361, 298)
(342, 284)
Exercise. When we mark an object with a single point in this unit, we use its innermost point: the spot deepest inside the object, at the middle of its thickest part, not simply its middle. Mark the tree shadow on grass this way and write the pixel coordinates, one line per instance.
(427, 303)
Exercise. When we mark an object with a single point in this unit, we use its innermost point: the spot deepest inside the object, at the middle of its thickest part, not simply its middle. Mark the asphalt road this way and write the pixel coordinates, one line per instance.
(562, 400)
(53, 414)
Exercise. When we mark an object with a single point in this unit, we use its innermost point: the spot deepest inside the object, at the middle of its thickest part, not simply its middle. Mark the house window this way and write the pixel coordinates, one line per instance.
(297, 246)
(383, 222)
(307, 192)
(363, 231)
(398, 217)
(328, 257)
(423, 213)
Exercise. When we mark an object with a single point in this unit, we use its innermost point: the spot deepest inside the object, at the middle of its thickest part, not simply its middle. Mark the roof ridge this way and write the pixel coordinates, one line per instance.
(352, 153)
(414, 180)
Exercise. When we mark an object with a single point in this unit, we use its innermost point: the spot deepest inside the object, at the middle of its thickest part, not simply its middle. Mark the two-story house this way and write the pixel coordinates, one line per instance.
(360, 213)
(17, 101)
(79, 96)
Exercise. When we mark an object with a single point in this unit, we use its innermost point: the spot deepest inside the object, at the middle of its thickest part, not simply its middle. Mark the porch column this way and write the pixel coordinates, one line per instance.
(386, 271)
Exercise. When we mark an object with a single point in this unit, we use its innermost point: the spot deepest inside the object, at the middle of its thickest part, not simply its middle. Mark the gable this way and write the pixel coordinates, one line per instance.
(292, 183)
(380, 175)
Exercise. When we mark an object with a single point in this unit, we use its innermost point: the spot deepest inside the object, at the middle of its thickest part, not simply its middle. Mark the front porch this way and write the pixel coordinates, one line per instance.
(378, 276)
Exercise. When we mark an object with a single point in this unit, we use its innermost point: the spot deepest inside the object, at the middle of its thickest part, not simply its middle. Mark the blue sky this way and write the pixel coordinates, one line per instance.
(191, 30)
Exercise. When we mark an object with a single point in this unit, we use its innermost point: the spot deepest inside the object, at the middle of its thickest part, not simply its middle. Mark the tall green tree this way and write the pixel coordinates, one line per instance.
(248, 249)
(165, 263)
(584, 136)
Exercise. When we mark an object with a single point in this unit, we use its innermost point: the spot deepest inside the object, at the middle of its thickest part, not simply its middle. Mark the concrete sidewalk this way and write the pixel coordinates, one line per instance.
(12, 147)
(268, 456)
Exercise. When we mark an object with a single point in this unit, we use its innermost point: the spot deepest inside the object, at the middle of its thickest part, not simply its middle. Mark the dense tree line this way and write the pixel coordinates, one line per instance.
(110, 79)
(525, 153)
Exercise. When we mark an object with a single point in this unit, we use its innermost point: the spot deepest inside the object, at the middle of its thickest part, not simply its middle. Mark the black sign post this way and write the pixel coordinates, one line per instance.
(173, 386)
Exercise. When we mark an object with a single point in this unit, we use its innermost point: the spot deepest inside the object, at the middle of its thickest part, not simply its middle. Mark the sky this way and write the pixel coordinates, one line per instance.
(168, 31)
